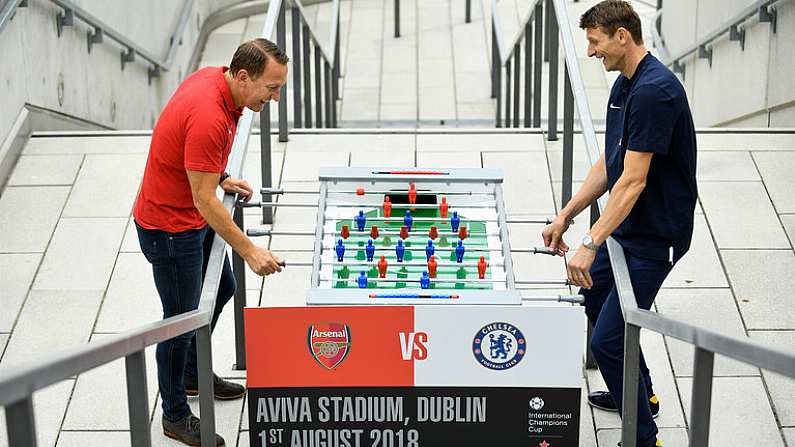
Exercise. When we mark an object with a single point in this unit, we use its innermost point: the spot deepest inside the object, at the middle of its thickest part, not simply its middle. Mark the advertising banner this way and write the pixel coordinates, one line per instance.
(414, 376)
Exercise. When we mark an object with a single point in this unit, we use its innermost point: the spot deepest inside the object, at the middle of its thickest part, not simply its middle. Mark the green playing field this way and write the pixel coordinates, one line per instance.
(417, 240)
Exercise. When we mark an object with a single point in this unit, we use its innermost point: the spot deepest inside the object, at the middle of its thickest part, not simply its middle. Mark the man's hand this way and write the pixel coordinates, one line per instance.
(579, 267)
(553, 235)
(263, 262)
(238, 186)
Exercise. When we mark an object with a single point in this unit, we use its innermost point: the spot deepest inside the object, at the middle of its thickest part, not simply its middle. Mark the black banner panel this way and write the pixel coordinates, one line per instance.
(414, 417)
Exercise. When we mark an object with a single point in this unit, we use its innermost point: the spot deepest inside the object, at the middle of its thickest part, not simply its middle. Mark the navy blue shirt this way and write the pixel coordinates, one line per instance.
(650, 113)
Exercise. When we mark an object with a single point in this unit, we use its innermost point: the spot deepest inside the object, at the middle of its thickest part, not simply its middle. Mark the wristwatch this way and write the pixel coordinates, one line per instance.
(223, 177)
(587, 241)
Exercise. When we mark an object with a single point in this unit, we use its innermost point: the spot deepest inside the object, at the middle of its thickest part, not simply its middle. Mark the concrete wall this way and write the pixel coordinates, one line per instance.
(754, 87)
(39, 68)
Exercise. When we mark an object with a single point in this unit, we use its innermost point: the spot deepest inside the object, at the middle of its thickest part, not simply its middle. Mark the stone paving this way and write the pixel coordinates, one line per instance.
(436, 74)
(72, 271)
(60, 285)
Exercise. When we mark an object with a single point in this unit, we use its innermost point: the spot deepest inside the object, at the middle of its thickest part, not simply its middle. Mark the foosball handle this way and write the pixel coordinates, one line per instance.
(575, 299)
(255, 232)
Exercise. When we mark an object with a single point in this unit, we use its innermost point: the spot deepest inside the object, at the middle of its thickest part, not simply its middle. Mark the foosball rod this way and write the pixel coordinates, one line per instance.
(278, 191)
(444, 280)
(574, 299)
(442, 220)
(399, 264)
(421, 206)
(266, 232)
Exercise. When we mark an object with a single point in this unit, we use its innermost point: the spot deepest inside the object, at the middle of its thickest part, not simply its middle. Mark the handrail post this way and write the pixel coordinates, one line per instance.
(568, 137)
(138, 399)
(337, 64)
(629, 406)
(548, 18)
(517, 64)
(537, 64)
(318, 92)
(21, 423)
(295, 17)
(397, 18)
(328, 94)
(590, 361)
(508, 93)
(239, 270)
(206, 386)
(552, 33)
(528, 73)
(265, 160)
(495, 62)
(281, 38)
(307, 76)
(701, 400)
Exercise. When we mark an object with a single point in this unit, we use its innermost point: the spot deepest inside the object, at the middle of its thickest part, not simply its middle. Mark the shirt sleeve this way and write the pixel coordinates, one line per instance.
(205, 140)
(652, 117)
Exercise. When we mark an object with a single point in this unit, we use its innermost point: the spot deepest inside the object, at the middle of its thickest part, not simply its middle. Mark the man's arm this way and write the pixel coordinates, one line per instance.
(594, 187)
(622, 198)
(624, 195)
(203, 186)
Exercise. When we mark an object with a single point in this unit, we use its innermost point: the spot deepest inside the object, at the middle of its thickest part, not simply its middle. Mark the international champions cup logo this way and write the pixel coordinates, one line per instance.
(499, 346)
(329, 343)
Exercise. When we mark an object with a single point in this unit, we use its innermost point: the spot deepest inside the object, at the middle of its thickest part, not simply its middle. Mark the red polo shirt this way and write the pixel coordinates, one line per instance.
(195, 131)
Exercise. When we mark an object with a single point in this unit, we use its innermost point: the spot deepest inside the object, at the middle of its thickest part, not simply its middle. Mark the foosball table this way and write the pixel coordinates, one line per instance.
(410, 236)
(415, 334)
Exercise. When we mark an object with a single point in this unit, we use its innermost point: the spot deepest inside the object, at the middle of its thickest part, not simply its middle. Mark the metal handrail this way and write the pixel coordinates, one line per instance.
(707, 343)
(100, 30)
(733, 26)
(19, 383)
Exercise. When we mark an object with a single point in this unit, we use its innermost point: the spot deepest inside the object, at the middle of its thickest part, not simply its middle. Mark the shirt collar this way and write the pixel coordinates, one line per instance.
(226, 93)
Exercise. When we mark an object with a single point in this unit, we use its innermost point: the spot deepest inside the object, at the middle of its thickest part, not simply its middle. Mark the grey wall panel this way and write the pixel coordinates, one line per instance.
(714, 13)
(781, 79)
(36, 61)
(736, 84)
(679, 24)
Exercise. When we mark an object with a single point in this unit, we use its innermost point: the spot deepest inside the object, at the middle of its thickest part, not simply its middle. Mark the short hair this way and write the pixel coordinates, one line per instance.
(253, 56)
(611, 15)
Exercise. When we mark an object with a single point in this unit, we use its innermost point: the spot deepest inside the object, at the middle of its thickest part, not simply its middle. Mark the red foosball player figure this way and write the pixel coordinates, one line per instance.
(432, 266)
(382, 264)
(444, 207)
(387, 207)
(482, 267)
(412, 193)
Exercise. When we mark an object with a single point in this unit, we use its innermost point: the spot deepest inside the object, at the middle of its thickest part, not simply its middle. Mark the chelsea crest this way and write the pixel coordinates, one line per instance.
(499, 346)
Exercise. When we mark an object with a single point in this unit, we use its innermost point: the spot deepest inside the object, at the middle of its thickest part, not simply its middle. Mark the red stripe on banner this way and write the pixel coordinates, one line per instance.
(328, 346)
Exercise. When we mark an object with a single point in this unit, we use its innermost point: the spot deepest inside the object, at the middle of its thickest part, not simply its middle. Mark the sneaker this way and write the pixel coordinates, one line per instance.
(188, 431)
(604, 401)
(224, 389)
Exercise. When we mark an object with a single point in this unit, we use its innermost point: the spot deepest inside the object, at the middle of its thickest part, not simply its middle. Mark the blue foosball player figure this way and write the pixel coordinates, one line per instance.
(408, 220)
(362, 280)
(340, 249)
(459, 252)
(400, 250)
(369, 250)
(425, 281)
(455, 221)
(429, 250)
(360, 220)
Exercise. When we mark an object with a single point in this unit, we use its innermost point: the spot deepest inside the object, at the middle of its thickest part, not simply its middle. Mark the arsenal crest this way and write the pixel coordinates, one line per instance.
(329, 343)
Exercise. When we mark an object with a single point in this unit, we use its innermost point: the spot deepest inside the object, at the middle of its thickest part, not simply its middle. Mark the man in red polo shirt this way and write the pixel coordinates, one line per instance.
(178, 212)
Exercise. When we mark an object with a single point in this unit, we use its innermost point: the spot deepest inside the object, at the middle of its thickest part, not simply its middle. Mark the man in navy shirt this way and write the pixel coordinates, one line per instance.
(649, 167)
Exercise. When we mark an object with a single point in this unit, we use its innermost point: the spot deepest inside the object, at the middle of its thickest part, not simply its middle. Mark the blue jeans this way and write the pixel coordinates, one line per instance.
(607, 343)
(179, 261)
